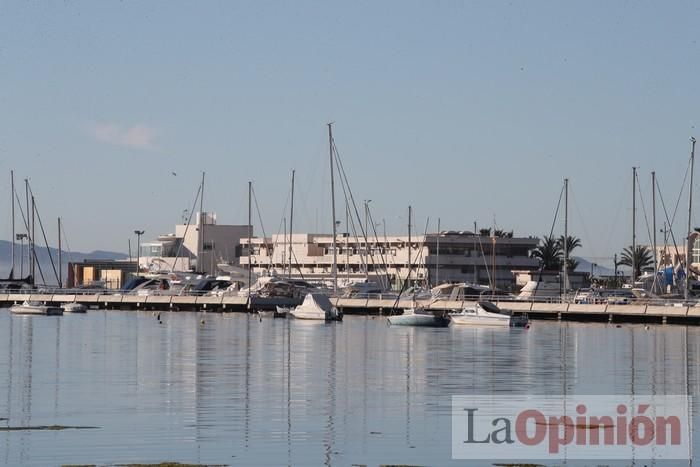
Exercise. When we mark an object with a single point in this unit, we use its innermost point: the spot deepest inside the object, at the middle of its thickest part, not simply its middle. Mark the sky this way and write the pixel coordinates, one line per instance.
(469, 111)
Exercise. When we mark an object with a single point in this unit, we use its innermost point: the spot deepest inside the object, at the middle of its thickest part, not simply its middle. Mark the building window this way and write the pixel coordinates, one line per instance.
(208, 246)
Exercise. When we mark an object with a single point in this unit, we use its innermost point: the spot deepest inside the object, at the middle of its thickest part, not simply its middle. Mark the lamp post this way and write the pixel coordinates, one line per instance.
(21, 237)
(138, 250)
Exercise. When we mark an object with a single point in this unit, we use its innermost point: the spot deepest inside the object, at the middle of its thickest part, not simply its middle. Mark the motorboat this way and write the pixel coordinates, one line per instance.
(317, 306)
(74, 307)
(35, 308)
(486, 314)
(420, 317)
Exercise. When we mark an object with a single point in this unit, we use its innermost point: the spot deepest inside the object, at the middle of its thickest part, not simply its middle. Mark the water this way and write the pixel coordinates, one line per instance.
(240, 391)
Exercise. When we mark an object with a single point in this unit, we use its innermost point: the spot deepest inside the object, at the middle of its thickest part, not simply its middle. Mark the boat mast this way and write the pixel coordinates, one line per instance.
(653, 221)
(12, 199)
(291, 220)
(437, 260)
(250, 238)
(29, 231)
(566, 236)
(690, 207)
(60, 260)
(634, 224)
(366, 230)
(334, 268)
(347, 243)
(408, 276)
(33, 242)
(200, 237)
(476, 279)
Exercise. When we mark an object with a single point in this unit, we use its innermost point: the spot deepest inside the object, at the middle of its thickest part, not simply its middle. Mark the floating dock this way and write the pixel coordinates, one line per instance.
(675, 313)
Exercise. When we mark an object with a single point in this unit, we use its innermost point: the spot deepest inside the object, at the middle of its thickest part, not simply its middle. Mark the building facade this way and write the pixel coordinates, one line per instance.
(187, 250)
(427, 259)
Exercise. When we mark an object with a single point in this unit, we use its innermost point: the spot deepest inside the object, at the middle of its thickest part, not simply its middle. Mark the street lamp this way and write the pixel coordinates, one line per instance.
(138, 250)
(21, 237)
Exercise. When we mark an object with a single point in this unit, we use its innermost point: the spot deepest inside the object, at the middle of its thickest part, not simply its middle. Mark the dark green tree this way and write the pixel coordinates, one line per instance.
(640, 258)
(572, 243)
(548, 253)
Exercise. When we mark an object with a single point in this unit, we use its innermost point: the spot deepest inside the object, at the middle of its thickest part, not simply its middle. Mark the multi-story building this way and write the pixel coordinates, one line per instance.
(432, 258)
(186, 250)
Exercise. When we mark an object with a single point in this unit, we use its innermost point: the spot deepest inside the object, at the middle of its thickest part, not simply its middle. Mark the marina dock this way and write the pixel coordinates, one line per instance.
(669, 313)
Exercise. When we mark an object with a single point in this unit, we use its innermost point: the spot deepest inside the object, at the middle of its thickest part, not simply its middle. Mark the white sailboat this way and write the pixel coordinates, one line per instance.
(419, 317)
(318, 307)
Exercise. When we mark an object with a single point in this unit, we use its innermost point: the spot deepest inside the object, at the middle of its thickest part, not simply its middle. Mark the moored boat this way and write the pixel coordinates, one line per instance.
(419, 317)
(35, 308)
(317, 307)
(487, 314)
(74, 307)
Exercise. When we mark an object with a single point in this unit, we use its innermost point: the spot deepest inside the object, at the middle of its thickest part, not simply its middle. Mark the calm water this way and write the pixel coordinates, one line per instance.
(239, 391)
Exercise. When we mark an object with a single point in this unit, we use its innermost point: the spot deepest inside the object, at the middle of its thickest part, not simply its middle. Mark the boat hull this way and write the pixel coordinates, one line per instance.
(319, 316)
(74, 308)
(36, 310)
(419, 320)
(480, 321)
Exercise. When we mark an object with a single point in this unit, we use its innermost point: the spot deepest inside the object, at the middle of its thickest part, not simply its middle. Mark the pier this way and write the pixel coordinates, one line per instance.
(647, 312)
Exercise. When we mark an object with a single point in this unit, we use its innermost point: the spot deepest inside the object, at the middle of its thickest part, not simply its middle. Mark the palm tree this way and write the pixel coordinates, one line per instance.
(572, 243)
(641, 258)
(549, 253)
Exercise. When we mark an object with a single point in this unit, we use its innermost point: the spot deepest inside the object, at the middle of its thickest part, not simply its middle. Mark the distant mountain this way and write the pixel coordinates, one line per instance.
(44, 261)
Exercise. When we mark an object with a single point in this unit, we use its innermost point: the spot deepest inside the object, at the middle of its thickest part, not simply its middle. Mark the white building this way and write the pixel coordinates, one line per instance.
(434, 258)
(186, 250)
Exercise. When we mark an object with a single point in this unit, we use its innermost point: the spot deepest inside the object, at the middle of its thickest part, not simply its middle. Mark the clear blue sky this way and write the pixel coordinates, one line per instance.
(466, 110)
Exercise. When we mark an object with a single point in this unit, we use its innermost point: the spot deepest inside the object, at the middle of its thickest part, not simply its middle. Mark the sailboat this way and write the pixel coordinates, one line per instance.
(10, 283)
(317, 306)
(417, 316)
(420, 317)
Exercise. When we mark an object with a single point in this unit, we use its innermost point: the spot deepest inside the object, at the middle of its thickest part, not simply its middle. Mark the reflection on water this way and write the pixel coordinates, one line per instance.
(237, 390)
